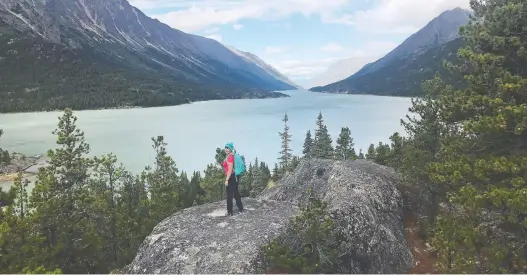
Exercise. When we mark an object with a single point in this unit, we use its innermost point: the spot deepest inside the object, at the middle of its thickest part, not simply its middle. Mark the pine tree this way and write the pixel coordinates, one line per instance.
(163, 183)
(361, 155)
(21, 247)
(285, 154)
(322, 147)
(195, 192)
(344, 149)
(308, 144)
(220, 156)
(134, 222)
(63, 203)
(108, 180)
(276, 173)
(383, 154)
(294, 162)
(397, 150)
(481, 159)
(212, 183)
(371, 154)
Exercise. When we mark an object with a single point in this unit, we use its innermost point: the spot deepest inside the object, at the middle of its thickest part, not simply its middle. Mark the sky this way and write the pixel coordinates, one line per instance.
(300, 38)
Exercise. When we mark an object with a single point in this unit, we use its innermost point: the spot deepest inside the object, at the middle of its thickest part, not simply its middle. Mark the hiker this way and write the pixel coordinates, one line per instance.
(231, 180)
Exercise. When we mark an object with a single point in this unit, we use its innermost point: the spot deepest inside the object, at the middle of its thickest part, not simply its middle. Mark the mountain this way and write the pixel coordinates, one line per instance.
(338, 71)
(107, 53)
(268, 68)
(438, 40)
(402, 77)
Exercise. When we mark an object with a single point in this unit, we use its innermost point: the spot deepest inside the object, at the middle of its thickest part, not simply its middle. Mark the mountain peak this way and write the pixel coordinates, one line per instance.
(456, 11)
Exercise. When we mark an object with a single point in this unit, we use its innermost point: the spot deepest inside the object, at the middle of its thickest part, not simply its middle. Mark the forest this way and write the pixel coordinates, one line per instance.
(466, 155)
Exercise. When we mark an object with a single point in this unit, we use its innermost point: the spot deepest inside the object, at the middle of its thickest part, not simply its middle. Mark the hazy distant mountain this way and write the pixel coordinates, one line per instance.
(430, 40)
(117, 38)
(338, 71)
(268, 68)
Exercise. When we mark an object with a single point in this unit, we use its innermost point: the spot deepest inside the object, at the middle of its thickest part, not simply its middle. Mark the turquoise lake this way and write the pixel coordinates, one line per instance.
(194, 131)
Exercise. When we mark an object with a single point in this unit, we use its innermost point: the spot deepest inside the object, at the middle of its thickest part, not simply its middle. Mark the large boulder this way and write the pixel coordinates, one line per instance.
(202, 240)
(363, 199)
(365, 205)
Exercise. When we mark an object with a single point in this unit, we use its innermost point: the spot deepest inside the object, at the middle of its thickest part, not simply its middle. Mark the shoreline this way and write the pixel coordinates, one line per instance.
(336, 93)
(279, 95)
(28, 165)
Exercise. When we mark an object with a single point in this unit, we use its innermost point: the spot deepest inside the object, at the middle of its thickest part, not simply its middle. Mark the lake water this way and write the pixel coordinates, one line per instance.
(194, 131)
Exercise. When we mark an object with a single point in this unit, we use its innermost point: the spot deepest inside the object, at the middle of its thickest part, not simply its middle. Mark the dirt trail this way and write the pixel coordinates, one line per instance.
(425, 260)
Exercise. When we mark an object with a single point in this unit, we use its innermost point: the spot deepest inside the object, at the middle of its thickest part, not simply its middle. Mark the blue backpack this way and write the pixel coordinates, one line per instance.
(239, 165)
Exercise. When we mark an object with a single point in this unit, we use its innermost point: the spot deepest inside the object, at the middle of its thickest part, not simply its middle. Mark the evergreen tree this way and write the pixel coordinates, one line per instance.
(480, 161)
(285, 154)
(220, 156)
(308, 144)
(383, 154)
(64, 205)
(163, 183)
(21, 248)
(344, 149)
(276, 173)
(266, 173)
(322, 147)
(259, 179)
(371, 154)
(294, 162)
(194, 191)
(213, 184)
(134, 222)
(108, 180)
(397, 151)
(361, 155)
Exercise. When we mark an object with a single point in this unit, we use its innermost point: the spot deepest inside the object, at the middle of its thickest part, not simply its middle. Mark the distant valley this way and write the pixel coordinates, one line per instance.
(108, 54)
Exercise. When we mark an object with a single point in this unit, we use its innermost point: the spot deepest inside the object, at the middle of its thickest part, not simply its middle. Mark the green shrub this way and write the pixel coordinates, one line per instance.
(313, 249)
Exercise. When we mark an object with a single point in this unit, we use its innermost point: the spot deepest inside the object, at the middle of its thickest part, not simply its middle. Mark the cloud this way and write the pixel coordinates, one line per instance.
(386, 16)
(216, 37)
(332, 47)
(273, 50)
(237, 26)
(212, 30)
(302, 69)
(196, 15)
(399, 16)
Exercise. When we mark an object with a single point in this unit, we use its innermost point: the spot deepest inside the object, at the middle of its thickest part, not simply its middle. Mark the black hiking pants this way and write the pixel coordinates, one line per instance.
(232, 191)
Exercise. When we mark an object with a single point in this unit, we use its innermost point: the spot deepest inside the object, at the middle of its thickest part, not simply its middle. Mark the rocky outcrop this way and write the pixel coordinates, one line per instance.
(366, 206)
(363, 199)
(201, 239)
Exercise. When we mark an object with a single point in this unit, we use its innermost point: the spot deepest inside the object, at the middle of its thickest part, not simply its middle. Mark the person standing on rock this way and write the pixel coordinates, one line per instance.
(231, 180)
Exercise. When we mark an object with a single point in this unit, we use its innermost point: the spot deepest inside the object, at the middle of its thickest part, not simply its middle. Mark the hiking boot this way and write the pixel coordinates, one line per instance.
(229, 214)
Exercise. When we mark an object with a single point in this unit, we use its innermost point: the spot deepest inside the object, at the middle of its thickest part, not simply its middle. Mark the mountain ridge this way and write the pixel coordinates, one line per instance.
(116, 30)
(439, 31)
(433, 39)
(337, 71)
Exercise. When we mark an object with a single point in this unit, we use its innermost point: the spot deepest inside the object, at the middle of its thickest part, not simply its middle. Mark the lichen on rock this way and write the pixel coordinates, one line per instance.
(201, 239)
(366, 207)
